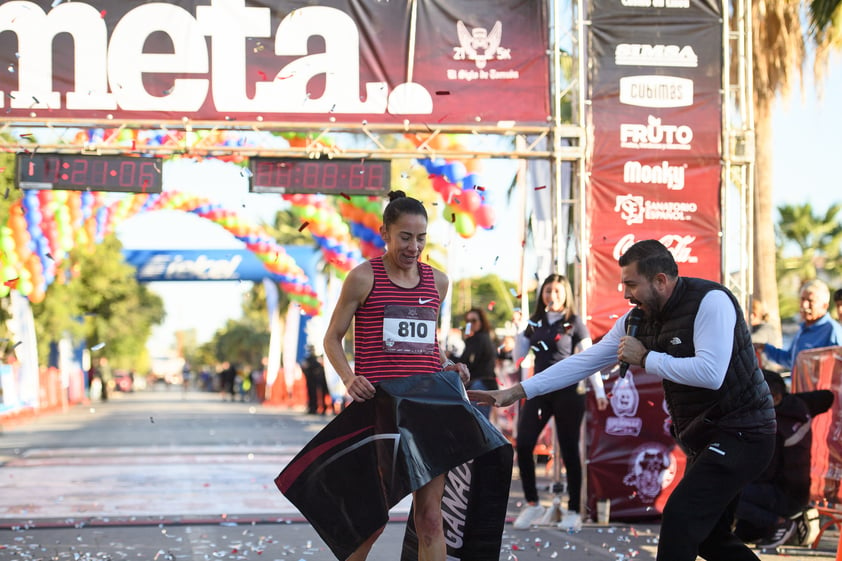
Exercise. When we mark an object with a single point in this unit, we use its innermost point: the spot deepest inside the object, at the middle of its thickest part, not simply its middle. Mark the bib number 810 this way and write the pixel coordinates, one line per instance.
(412, 330)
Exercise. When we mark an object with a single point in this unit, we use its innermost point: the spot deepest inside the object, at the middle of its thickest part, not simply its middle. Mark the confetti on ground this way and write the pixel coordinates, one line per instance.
(303, 226)
(541, 187)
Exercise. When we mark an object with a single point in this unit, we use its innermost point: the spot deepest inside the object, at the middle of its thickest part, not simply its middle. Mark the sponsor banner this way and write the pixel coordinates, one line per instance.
(376, 452)
(655, 151)
(287, 60)
(632, 459)
(696, 250)
(645, 195)
(603, 11)
(195, 265)
(821, 369)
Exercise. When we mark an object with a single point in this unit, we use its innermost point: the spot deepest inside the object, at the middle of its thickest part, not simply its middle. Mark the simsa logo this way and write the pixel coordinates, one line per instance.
(109, 72)
(637, 54)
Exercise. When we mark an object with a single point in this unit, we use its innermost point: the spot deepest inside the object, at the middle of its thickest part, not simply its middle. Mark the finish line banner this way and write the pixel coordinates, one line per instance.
(375, 453)
(655, 151)
(450, 62)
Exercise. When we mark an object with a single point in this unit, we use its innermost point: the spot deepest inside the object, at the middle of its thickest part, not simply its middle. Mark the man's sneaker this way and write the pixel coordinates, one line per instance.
(528, 516)
(782, 533)
(571, 522)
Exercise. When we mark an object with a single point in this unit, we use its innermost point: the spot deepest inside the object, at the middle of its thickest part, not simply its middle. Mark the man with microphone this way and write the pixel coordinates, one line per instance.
(691, 333)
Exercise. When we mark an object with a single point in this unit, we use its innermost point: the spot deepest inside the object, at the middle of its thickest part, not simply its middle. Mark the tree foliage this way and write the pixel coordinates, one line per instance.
(781, 48)
(96, 299)
(489, 292)
(808, 247)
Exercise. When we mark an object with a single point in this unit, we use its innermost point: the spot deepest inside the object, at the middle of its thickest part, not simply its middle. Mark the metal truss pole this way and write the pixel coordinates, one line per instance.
(579, 117)
(738, 153)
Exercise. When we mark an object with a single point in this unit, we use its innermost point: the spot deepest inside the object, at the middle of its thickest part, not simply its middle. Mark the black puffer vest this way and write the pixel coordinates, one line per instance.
(741, 404)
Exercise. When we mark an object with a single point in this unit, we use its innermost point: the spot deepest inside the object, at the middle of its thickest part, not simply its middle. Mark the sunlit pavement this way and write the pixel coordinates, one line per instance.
(169, 475)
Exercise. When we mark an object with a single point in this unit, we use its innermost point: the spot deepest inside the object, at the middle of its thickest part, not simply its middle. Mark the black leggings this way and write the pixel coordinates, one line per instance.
(568, 407)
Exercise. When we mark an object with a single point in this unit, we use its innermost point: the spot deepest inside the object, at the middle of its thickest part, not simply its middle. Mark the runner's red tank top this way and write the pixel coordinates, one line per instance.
(395, 328)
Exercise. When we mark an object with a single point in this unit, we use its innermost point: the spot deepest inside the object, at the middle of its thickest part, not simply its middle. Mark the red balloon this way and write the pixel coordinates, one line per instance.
(469, 200)
(484, 217)
(440, 185)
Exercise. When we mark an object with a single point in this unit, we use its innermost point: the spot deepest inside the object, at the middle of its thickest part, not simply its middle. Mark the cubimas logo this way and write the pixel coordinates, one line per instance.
(637, 54)
(656, 91)
(655, 134)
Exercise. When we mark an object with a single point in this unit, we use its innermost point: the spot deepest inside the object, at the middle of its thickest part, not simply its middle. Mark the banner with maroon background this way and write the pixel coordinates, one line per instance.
(655, 140)
(821, 369)
(633, 460)
(227, 60)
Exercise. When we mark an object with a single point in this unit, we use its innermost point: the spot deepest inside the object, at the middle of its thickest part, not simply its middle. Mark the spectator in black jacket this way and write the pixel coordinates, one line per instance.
(767, 506)
(480, 354)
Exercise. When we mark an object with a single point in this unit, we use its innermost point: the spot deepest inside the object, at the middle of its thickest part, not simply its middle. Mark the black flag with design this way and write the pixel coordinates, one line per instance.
(377, 452)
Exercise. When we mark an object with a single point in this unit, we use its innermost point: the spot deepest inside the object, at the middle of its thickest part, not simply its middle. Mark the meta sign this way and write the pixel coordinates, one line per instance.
(279, 60)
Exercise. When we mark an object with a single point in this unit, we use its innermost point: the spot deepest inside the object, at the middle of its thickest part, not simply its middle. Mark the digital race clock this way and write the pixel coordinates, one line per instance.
(331, 177)
(75, 172)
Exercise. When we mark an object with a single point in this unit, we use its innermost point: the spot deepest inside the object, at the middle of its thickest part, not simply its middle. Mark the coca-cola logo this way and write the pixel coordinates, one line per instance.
(680, 246)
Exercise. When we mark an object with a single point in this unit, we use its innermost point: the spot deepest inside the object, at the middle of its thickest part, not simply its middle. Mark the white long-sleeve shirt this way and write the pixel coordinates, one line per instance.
(712, 329)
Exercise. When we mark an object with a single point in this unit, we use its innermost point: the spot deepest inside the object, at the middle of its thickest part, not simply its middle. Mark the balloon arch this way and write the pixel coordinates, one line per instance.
(43, 226)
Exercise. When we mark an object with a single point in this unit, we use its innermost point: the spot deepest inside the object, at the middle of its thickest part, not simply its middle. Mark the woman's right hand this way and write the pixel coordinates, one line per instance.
(359, 388)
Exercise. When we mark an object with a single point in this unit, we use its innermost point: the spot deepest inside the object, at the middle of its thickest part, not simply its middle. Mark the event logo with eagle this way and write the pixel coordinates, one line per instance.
(480, 45)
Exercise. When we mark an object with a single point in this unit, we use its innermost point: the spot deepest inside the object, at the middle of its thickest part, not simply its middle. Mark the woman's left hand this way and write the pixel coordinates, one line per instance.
(462, 369)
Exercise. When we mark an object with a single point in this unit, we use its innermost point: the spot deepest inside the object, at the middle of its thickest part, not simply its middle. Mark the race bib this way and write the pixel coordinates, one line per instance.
(409, 329)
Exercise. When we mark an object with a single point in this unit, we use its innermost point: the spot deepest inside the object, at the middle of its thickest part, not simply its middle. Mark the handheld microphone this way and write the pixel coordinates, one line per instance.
(632, 326)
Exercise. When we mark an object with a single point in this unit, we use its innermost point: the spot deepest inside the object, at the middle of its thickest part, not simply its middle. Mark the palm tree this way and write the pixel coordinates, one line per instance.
(817, 237)
(781, 46)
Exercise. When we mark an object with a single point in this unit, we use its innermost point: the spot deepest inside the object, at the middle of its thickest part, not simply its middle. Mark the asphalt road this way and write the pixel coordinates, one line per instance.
(166, 475)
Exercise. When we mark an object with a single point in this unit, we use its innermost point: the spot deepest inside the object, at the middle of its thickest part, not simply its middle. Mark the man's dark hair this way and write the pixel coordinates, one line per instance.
(652, 257)
(837, 295)
(775, 382)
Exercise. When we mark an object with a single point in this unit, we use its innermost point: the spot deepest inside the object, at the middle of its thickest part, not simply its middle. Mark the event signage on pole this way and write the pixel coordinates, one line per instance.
(223, 61)
(653, 163)
(655, 140)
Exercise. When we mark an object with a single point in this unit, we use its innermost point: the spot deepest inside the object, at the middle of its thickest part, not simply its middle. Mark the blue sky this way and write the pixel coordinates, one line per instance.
(807, 144)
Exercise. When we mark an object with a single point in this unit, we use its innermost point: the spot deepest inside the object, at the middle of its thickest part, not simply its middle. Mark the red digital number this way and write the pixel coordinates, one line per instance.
(127, 175)
(375, 177)
(329, 176)
(52, 167)
(79, 172)
(357, 179)
(99, 168)
(147, 175)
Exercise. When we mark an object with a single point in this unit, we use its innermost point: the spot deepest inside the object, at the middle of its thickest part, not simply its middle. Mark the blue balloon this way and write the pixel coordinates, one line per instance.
(470, 181)
(454, 172)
